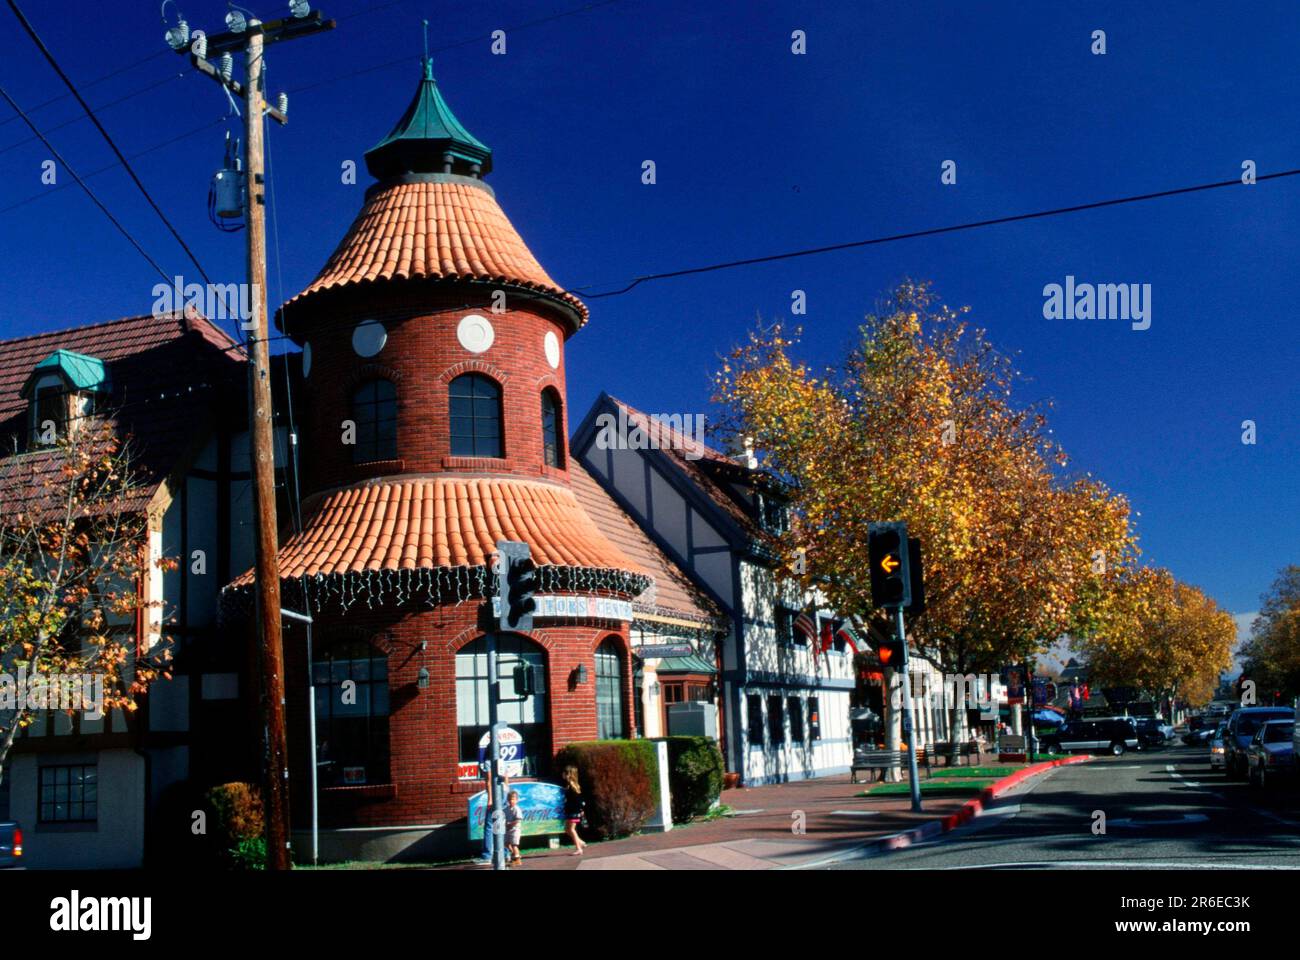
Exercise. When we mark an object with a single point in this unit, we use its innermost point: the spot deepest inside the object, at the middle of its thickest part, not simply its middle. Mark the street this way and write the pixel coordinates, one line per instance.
(1163, 808)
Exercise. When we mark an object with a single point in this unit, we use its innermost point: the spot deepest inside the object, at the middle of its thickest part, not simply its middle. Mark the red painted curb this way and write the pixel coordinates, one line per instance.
(968, 810)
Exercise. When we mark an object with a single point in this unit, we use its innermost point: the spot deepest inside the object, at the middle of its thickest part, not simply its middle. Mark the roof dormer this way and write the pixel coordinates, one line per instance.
(60, 390)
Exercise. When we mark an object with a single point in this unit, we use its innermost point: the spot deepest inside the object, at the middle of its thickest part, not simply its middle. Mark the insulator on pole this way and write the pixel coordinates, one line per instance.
(227, 66)
(282, 102)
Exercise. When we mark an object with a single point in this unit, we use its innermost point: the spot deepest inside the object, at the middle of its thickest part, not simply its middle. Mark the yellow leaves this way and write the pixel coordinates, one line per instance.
(1008, 548)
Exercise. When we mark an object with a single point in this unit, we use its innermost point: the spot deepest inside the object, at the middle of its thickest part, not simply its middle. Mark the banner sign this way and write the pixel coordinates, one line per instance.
(1040, 691)
(587, 608)
(542, 806)
(649, 651)
(1014, 680)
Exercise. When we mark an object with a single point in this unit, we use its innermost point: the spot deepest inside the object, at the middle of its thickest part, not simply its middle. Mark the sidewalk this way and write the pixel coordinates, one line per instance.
(760, 834)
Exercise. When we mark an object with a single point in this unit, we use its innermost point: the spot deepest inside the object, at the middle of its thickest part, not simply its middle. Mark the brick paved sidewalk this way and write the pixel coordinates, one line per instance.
(759, 835)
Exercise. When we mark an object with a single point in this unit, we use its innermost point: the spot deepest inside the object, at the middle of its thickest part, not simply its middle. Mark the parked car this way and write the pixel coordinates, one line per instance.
(1216, 746)
(1202, 735)
(11, 845)
(1271, 756)
(1242, 727)
(1154, 732)
(1115, 734)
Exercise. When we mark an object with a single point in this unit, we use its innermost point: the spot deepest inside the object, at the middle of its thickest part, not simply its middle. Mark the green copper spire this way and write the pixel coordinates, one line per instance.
(428, 139)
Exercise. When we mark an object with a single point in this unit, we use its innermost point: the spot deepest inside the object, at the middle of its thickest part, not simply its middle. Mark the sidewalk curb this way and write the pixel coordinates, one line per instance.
(964, 814)
(974, 807)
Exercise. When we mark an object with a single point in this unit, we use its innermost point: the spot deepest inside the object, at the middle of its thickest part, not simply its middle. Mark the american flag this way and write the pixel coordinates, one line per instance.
(804, 624)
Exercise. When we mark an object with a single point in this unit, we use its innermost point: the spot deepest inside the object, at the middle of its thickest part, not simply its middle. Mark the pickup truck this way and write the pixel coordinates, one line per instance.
(11, 845)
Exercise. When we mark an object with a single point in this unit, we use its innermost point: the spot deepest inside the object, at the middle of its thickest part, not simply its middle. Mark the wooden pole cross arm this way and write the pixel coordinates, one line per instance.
(235, 87)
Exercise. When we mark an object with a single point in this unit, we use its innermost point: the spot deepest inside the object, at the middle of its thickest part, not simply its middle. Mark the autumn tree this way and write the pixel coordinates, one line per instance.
(74, 554)
(1271, 656)
(1159, 635)
(916, 423)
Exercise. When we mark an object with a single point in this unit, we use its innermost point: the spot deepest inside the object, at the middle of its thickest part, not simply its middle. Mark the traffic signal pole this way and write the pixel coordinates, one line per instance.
(496, 819)
(912, 777)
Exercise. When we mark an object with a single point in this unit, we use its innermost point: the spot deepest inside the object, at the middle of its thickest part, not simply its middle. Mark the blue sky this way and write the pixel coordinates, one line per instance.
(760, 151)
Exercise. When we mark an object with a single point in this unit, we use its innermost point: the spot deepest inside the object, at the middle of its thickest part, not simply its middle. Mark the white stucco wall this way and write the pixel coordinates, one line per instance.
(114, 841)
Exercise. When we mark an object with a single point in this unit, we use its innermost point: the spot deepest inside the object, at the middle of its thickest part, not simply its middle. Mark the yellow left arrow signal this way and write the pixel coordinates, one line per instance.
(890, 563)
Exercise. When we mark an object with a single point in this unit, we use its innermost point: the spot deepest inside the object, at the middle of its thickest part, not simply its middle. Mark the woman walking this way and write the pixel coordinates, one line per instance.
(573, 808)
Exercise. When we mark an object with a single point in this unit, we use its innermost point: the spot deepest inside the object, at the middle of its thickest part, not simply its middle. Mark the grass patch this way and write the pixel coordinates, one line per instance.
(996, 772)
(928, 787)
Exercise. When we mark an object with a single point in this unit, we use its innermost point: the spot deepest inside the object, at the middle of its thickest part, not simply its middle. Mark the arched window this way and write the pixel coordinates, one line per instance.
(610, 724)
(528, 716)
(374, 411)
(552, 429)
(351, 681)
(475, 416)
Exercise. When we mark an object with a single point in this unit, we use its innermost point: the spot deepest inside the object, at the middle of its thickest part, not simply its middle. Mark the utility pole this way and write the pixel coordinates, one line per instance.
(252, 36)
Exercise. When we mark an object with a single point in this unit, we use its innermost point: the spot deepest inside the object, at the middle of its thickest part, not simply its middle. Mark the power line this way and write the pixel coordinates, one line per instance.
(329, 325)
(86, 86)
(103, 106)
(113, 166)
(90, 193)
(126, 164)
(931, 232)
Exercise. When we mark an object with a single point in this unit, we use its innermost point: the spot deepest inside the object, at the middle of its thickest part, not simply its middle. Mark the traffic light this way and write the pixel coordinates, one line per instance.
(525, 679)
(890, 653)
(888, 554)
(916, 576)
(516, 581)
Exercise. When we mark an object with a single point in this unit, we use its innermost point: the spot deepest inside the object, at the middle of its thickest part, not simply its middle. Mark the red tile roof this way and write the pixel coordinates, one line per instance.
(672, 593)
(444, 521)
(703, 468)
(165, 374)
(435, 230)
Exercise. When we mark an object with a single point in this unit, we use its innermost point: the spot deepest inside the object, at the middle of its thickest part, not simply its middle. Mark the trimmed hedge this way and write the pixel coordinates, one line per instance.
(620, 783)
(695, 769)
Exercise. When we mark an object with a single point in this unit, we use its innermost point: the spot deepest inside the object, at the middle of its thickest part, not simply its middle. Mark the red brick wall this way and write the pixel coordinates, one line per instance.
(421, 356)
(422, 723)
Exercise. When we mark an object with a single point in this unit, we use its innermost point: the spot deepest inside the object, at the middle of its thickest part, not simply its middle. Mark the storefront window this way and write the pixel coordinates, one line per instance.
(754, 713)
(351, 681)
(795, 708)
(609, 691)
(775, 719)
(529, 717)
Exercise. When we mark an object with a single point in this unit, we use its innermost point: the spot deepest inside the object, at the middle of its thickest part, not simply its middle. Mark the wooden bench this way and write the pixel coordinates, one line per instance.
(967, 752)
(882, 760)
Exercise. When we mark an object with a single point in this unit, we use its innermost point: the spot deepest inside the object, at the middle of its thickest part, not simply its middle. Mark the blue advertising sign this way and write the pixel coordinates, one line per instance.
(542, 805)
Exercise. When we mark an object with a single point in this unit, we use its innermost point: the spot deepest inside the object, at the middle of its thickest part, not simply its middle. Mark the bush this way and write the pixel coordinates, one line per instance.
(619, 780)
(239, 824)
(695, 768)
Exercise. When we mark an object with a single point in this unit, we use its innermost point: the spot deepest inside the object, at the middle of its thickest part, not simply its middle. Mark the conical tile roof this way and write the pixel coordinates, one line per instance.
(439, 227)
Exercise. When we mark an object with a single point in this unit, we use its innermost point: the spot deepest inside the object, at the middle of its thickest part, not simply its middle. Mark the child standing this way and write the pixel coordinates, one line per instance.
(573, 808)
(514, 828)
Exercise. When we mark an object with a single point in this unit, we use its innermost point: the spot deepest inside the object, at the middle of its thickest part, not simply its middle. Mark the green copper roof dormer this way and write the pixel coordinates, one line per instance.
(422, 140)
(77, 370)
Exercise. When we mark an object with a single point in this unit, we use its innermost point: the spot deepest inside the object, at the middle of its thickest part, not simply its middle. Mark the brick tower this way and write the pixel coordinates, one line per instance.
(434, 425)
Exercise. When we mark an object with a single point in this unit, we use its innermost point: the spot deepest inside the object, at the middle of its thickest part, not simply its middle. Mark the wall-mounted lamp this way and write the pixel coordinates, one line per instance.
(654, 689)
(422, 678)
(580, 675)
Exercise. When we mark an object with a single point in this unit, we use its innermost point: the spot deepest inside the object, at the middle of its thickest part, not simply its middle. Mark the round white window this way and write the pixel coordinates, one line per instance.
(369, 338)
(552, 344)
(475, 333)
(306, 359)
